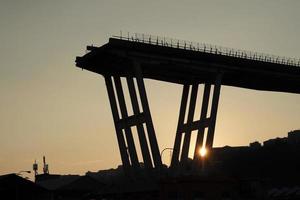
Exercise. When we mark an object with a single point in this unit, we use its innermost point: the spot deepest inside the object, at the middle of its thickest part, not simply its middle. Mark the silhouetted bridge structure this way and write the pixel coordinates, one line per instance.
(140, 56)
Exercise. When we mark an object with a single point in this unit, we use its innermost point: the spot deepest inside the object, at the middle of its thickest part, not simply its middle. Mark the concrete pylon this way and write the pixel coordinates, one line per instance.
(125, 123)
(184, 129)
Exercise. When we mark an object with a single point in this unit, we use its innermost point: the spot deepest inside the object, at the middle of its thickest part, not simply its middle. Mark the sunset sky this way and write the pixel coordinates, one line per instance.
(50, 107)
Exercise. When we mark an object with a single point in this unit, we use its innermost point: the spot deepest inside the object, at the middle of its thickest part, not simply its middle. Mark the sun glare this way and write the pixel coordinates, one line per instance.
(202, 152)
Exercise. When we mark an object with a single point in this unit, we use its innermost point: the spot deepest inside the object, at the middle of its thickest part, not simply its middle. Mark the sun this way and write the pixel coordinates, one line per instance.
(202, 152)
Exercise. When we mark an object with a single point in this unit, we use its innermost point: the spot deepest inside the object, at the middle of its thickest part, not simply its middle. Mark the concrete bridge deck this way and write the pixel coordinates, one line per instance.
(187, 65)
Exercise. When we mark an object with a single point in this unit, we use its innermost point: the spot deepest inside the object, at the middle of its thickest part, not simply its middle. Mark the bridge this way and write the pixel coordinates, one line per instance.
(136, 57)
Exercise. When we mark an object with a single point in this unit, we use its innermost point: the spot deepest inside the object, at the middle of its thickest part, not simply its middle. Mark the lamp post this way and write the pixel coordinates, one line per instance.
(168, 148)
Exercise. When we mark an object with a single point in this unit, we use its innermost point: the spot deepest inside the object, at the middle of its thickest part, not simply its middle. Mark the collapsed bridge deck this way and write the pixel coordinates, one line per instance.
(178, 65)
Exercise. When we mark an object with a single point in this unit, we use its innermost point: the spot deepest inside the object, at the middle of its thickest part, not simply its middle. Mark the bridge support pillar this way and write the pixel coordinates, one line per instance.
(119, 132)
(148, 119)
(124, 123)
(184, 129)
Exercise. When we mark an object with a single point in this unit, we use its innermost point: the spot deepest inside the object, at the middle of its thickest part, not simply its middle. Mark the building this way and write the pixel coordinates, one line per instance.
(14, 187)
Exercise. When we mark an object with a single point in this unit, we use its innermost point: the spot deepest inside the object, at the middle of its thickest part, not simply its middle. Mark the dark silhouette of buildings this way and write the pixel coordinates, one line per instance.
(246, 172)
(69, 186)
(269, 171)
(277, 160)
(14, 187)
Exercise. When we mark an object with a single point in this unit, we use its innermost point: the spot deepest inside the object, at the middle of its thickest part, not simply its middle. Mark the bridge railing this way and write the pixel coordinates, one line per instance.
(207, 48)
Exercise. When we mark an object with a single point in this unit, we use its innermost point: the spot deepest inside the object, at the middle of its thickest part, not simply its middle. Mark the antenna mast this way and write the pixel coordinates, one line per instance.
(45, 167)
(35, 168)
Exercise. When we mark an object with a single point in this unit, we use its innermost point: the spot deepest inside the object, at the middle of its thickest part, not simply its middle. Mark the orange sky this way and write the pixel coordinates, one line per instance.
(50, 107)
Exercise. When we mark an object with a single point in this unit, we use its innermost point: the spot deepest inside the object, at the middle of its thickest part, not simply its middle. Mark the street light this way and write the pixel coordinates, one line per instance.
(164, 150)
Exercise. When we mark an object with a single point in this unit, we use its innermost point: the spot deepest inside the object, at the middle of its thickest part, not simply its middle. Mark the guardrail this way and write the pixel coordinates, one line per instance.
(207, 48)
